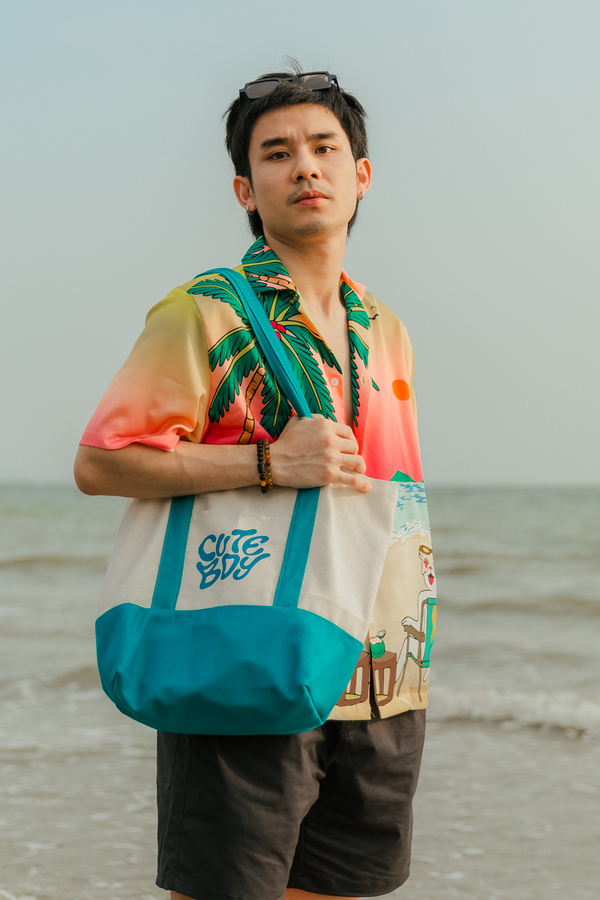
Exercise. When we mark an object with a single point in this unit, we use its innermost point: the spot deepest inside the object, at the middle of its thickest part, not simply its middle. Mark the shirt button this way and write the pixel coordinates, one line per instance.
(335, 381)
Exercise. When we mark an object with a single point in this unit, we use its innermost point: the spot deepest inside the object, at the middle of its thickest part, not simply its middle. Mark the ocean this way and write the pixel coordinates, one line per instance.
(508, 800)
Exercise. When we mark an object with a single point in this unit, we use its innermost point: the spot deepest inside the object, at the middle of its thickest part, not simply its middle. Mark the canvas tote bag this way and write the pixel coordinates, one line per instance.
(237, 612)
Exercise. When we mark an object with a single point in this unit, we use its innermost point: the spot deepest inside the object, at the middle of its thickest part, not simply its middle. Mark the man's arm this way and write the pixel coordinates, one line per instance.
(309, 453)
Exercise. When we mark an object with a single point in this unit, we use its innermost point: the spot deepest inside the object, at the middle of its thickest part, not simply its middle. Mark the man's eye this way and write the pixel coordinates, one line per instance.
(279, 154)
(324, 149)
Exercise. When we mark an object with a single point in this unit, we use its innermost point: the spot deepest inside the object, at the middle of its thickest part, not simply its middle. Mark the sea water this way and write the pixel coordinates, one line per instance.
(509, 794)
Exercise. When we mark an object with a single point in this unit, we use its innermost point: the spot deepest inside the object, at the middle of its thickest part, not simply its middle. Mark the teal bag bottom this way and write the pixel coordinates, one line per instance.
(225, 670)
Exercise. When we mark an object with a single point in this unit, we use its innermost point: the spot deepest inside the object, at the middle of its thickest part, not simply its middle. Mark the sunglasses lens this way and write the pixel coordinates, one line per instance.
(258, 89)
(314, 81)
(318, 81)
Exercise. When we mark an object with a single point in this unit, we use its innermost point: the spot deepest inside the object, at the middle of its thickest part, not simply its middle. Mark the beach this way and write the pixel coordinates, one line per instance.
(508, 800)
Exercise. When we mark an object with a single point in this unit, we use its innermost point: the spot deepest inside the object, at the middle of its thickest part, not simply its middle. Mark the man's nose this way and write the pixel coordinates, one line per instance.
(306, 168)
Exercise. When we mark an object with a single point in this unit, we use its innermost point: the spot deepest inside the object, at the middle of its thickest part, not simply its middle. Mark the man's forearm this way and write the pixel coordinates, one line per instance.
(146, 472)
(308, 453)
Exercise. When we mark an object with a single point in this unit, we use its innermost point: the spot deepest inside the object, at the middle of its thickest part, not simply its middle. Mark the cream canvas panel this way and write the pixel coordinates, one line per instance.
(133, 566)
(222, 554)
(400, 672)
(402, 602)
(399, 609)
(341, 584)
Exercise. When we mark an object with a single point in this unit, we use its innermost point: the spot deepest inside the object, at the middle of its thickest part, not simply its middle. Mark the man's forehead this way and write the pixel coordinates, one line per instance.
(307, 121)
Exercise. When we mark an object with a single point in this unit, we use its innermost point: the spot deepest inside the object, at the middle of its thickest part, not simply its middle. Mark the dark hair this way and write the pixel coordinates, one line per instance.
(242, 115)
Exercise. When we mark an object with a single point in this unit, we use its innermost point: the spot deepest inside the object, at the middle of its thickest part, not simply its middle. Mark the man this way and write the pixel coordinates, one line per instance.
(327, 812)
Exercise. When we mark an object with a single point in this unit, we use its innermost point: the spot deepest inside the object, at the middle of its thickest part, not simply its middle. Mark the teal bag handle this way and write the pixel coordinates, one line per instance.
(291, 575)
(269, 343)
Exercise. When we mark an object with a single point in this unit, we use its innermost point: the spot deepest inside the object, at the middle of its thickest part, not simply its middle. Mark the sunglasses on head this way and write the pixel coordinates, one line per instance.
(310, 81)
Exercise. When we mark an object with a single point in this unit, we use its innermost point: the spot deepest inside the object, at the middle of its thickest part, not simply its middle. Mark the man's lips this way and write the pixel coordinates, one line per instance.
(310, 198)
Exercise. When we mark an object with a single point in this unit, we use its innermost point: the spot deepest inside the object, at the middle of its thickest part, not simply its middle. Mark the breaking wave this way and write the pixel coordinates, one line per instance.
(552, 710)
(55, 561)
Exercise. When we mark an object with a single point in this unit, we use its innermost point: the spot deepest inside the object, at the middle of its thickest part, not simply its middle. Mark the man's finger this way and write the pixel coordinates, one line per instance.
(344, 430)
(354, 465)
(358, 482)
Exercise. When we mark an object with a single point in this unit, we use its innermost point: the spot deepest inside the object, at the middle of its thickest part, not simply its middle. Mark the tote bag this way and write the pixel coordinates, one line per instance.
(237, 612)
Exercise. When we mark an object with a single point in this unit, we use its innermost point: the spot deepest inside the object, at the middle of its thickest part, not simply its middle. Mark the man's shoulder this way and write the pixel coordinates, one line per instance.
(205, 282)
(390, 324)
(193, 295)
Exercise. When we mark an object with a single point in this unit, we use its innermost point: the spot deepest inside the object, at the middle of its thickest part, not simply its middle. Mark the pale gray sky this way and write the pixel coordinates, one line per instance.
(481, 230)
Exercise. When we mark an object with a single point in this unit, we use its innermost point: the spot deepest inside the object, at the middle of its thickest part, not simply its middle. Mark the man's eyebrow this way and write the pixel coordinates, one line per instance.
(323, 136)
(277, 141)
(273, 142)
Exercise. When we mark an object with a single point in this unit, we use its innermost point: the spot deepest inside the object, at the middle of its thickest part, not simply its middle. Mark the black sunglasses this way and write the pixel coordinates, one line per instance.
(311, 81)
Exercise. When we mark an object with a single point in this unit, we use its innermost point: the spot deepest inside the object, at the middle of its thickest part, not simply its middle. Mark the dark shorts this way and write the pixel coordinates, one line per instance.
(329, 810)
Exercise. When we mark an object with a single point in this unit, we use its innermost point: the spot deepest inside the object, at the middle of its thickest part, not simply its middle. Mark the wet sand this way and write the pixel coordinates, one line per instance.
(500, 812)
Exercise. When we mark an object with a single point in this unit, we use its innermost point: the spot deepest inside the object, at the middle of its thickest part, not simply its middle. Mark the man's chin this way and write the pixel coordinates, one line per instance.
(318, 227)
(313, 229)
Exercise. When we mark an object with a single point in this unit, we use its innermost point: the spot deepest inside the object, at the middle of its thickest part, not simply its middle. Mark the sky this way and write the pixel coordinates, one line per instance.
(480, 231)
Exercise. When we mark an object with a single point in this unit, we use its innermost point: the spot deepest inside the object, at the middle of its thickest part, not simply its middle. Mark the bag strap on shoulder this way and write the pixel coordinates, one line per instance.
(269, 342)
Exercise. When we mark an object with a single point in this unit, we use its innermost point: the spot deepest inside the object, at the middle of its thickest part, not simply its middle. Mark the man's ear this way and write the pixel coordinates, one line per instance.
(363, 176)
(243, 191)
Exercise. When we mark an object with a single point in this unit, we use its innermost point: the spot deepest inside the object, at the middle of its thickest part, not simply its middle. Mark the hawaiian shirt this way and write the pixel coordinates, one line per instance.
(196, 373)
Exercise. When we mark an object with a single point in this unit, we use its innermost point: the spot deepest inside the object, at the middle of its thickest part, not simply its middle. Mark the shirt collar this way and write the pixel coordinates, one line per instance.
(265, 272)
(359, 289)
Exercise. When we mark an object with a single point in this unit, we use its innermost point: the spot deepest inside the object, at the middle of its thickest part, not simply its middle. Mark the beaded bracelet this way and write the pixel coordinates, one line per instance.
(265, 474)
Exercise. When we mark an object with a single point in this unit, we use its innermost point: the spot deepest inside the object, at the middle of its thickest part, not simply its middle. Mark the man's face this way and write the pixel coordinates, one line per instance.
(428, 571)
(305, 181)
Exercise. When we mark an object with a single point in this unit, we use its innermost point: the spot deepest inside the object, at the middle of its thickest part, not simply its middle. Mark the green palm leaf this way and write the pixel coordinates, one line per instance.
(354, 389)
(262, 266)
(276, 409)
(358, 348)
(359, 315)
(227, 346)
(311, 379)
(357, 345)
(285, 313)
(302, 332)
(278, 306)
(245, 360)
(355, 311)
(220, 290)
(261, 260)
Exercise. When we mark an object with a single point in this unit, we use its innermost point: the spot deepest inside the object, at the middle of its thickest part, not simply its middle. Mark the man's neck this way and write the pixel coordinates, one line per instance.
(315, 268)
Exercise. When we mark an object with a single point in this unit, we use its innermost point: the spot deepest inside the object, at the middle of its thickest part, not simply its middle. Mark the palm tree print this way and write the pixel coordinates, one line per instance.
(239, 353)
(249, 421)
(238, 348)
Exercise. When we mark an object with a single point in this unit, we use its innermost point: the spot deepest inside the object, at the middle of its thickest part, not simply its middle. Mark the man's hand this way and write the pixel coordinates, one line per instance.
(315, 452)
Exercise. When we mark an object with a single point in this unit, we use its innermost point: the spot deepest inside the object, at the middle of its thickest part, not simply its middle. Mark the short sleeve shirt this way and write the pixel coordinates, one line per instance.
(196, 373)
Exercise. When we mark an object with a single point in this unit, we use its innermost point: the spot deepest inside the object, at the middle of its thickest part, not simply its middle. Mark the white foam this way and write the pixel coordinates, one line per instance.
(555, 710)
(405, 531)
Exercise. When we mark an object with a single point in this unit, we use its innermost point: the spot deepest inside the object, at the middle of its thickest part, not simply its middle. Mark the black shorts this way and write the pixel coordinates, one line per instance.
(328, 810)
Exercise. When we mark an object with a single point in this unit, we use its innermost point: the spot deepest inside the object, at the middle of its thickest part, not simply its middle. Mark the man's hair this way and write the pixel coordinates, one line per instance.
(242, 115)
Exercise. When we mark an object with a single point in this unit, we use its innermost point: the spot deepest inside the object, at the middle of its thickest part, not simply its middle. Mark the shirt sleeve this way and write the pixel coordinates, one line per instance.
(161, 393)
(411, 356)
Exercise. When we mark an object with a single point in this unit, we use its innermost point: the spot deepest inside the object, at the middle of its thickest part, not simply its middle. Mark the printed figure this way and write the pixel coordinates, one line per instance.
(420, 632)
